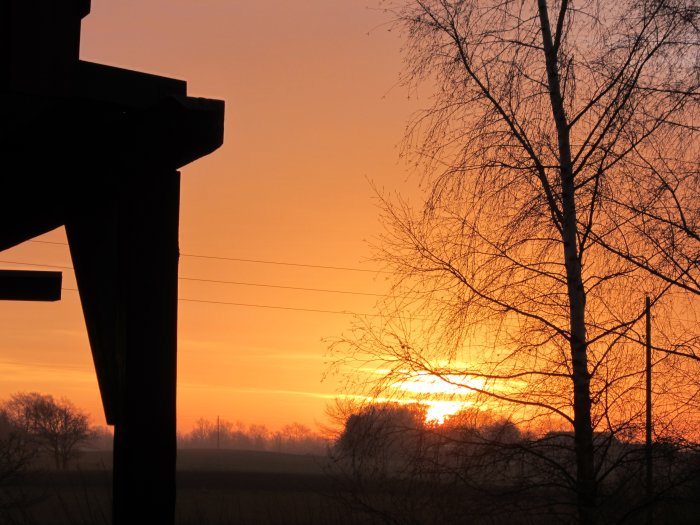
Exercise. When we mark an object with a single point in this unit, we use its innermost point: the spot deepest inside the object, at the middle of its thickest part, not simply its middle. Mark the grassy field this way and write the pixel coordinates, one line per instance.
(226, 487)
(215, 487)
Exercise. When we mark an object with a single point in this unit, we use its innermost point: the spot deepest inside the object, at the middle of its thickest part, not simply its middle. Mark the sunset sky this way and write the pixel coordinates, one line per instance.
(313, 114)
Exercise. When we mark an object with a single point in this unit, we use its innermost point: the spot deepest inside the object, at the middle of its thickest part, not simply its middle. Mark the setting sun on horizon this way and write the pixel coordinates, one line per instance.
(340, 262)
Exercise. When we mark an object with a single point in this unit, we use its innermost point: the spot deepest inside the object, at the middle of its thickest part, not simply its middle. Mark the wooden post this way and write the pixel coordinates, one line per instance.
(145, 431)
(648, 441)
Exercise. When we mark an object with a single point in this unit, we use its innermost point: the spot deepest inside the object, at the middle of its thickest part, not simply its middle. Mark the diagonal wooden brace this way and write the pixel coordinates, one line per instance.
(126, 264)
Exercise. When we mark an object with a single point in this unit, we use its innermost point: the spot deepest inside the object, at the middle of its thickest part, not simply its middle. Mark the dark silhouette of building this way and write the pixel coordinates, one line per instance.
(97, 148)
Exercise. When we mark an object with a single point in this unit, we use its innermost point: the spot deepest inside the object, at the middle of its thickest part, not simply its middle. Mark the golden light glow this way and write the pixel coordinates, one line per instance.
(443, 395)
(450, 385)
(438, 411)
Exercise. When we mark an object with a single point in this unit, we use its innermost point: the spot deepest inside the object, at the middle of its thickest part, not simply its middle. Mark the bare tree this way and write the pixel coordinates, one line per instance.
(561, 159)
(54, 427)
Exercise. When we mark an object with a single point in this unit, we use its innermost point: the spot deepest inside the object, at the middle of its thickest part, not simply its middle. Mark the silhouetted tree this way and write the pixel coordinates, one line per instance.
(378, 434)
(54, 427)
(561, 160)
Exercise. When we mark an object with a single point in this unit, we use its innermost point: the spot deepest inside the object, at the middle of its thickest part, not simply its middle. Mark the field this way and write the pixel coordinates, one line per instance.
(215, 487)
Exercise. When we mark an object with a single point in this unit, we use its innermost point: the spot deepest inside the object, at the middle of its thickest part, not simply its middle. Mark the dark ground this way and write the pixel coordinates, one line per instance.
(215, 487)
(222, 487)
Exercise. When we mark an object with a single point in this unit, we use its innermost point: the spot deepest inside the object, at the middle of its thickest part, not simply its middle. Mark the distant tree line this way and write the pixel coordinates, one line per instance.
(294, 438)
(36, 429)
(480, 468)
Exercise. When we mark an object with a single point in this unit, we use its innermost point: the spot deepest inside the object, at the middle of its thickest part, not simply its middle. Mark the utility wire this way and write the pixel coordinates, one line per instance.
(274, 307)
(39, 265)
(267, 306)
(280, 286)
(256, 261)
(49, 242)
(229, 303)
(282, 263)
(216, 281)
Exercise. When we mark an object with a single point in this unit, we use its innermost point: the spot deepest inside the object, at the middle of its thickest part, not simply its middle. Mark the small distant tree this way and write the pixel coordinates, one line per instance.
(101, 438)
(54, 427)
(296, 438)
(259, 436)
(219, 434)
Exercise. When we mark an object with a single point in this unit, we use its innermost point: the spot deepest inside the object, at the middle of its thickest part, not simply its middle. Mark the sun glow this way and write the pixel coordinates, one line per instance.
(446, 385)
(443, 395)
(438, 411)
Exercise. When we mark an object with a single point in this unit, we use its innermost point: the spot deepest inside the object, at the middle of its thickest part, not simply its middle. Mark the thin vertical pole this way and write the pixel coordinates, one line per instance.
(218, 433)
(648, 456)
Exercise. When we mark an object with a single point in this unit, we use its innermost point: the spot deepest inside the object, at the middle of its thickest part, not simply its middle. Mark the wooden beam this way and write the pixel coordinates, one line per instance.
(92, 230)
(144, 431)
(134, 89)
(23, 285)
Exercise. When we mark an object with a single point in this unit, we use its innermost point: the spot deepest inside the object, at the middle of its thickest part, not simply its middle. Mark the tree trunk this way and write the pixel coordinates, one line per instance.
(583, 431)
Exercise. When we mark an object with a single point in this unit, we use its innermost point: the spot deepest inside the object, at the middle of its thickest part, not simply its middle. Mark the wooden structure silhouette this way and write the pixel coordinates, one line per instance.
(97, 148)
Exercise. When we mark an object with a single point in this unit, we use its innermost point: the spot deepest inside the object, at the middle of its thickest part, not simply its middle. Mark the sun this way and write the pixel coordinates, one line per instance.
(443, 396)
(438, 411)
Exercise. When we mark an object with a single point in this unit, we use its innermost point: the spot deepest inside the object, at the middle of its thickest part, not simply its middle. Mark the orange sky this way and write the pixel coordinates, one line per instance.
(312, 114)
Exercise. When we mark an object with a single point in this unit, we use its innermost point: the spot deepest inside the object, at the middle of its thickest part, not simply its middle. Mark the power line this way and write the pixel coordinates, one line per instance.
(274, 307)
(268, 306)
(217, 281)
(38, 265)
(255, 261)
(282, 263)
(49, 242)
(248, 305)
(295, 309)
(262, 285)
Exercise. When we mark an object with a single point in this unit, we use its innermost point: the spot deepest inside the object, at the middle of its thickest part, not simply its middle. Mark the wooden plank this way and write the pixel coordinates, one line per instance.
(125, 86)
(23, 285)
